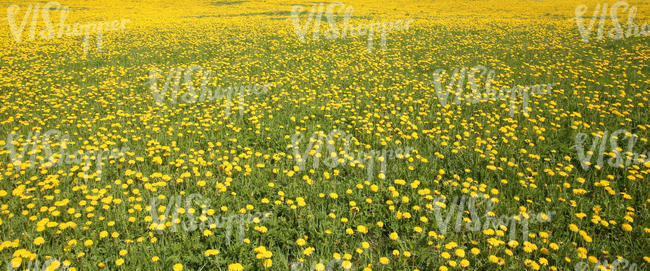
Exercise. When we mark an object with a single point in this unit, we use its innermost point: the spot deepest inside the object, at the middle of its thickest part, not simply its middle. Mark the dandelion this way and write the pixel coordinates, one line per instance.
(475, 251)
(626, 227)
(38, 241)
(235, 267)
(211, 252)
(308, 251)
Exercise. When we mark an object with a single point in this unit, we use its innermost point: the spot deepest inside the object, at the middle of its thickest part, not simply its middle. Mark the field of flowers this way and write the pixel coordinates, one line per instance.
(251, 135)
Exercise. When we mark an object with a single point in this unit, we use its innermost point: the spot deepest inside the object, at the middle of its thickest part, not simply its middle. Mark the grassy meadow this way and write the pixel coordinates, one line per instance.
(240, 159)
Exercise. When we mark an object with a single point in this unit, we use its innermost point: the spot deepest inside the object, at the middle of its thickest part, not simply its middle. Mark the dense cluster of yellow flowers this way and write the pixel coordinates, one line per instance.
(524, 164)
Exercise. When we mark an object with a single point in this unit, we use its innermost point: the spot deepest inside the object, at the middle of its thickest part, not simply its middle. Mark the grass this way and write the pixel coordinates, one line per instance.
(244, 163)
